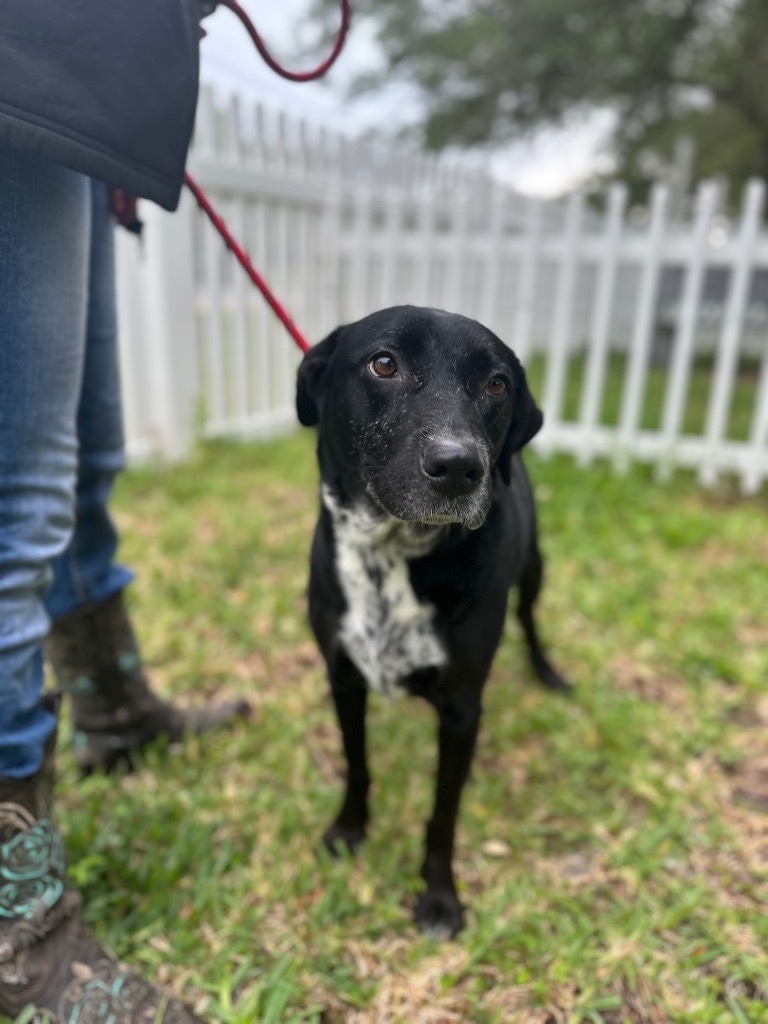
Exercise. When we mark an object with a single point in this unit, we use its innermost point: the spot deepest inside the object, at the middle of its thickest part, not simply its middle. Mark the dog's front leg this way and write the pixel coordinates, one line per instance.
(349, 697)
(438, 910)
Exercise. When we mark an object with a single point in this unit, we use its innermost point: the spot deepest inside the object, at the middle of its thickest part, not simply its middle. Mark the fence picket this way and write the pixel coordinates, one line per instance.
(263, 354)
(554, 381)
(755, 465)
(454, 281)
(260, 156)
(597, 356)
(522, 332)
(728, 349)
(327, 261)
(682, 349)
(215, 340)
(242, 395)
(359, 254)
(636, 372)
(284, 380)
(205, 124)
(425, 227)
(392, 245)
(492, 261)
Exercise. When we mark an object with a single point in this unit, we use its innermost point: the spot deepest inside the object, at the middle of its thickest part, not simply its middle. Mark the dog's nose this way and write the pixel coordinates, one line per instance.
(453, 468)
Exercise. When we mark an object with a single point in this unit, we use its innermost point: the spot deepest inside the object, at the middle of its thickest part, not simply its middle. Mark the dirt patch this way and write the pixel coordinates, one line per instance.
(444, 990)
(749, 783)
(577, 869)
(295, 663)
(639, 1005)
(323, 741)
(747, 778)
(648, 684)
(753, 633)
(420, 996)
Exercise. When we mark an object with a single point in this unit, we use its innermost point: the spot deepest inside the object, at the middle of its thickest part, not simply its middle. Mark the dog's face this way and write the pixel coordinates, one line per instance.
(420, 407)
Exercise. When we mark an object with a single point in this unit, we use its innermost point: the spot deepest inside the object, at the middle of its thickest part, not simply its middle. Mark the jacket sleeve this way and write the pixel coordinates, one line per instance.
(106, 87)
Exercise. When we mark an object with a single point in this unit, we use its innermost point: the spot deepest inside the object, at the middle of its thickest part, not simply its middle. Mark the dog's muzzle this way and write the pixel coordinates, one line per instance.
(453, 468)
(445, 481)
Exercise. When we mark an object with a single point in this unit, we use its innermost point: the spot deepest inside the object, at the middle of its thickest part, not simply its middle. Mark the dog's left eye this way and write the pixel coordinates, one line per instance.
(383, 365)
(496, 387)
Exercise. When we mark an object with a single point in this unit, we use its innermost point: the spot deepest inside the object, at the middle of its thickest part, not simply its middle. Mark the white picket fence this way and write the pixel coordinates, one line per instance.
(645, 333)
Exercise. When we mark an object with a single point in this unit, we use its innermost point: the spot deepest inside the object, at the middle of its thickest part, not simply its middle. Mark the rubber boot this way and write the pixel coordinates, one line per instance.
(49, 959)
(96, 661)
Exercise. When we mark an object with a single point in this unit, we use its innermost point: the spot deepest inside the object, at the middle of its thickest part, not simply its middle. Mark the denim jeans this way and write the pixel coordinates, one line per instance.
(61, 436)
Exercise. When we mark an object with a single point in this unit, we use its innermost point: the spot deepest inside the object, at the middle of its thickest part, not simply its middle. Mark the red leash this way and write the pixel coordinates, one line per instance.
(242, 257)
(204, 203)
(294, 76)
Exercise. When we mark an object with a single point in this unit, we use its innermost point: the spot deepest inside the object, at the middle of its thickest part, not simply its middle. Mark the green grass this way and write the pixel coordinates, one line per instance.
(612, 849)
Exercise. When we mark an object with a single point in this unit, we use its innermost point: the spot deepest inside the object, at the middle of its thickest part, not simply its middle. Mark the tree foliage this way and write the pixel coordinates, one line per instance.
(491, 70)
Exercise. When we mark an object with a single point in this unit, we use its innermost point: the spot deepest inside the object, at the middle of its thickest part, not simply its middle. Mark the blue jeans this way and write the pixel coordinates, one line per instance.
(61, 435)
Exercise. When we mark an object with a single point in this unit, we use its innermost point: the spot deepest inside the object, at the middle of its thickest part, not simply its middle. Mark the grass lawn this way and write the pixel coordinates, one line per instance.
(613, 846)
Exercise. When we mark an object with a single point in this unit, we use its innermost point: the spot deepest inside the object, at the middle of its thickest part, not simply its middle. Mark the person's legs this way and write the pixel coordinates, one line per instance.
(49, 959)
(44, 243)
(87, 572)
(91, 647)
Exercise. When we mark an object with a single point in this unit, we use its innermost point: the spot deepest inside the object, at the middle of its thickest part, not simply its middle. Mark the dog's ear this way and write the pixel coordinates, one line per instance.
(310, 383)
(527, 419)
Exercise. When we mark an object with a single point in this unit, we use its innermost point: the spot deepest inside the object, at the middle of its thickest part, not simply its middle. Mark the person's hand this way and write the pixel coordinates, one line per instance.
(206, 7)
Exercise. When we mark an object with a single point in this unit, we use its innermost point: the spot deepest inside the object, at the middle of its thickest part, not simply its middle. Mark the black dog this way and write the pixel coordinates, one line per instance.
(427, 520)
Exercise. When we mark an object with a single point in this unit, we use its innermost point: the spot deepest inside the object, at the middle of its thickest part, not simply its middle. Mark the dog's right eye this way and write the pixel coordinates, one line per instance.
(496, 387)
(383, 365)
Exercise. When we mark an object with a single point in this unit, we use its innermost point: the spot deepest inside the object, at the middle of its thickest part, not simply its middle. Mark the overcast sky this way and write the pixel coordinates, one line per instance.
(550, 164)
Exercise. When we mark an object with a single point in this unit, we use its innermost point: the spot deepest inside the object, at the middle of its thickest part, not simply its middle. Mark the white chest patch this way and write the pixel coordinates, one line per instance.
(386, 631)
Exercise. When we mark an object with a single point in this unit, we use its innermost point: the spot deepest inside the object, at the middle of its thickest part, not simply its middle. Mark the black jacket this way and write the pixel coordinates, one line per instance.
(106, 87)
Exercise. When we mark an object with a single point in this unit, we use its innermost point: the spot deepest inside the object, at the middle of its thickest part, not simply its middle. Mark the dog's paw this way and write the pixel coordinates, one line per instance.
(343, 839)
(439, 915)
(552, 680)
